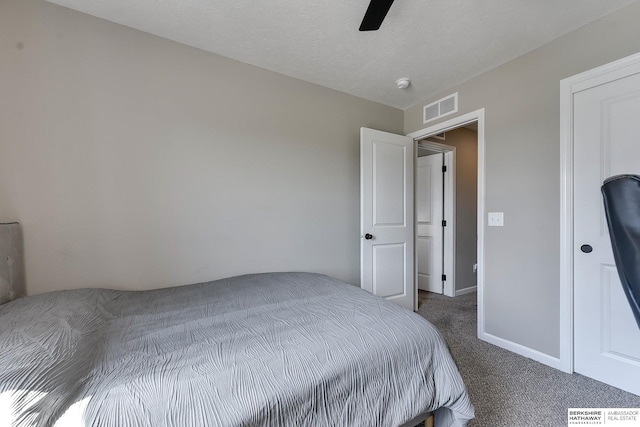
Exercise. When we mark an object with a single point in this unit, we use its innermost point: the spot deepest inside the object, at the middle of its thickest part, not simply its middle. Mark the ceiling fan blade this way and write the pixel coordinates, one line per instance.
(375, 14)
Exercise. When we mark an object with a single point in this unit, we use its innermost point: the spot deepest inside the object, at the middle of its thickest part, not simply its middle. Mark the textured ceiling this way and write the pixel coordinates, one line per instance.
(436, 43)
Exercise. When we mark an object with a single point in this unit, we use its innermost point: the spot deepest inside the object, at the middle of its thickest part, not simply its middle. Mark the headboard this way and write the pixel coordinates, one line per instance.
(12, 283)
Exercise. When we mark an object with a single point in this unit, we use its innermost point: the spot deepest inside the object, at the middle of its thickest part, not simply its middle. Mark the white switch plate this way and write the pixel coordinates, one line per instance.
(496, 219)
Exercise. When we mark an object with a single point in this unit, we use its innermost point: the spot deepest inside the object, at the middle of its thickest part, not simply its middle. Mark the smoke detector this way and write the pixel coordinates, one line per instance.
(403, 83)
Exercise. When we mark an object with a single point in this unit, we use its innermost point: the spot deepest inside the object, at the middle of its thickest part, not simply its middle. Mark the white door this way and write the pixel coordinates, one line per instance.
(386, 215)
(429, 212)
(606, 139)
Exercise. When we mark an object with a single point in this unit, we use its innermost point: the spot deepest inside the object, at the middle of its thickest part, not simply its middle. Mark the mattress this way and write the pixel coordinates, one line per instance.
(273, 349)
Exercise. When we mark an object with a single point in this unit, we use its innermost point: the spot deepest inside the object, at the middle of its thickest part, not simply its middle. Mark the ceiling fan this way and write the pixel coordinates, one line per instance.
(375, 14)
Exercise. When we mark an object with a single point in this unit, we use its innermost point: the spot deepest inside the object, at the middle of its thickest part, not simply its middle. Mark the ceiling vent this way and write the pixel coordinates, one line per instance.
(440, 108)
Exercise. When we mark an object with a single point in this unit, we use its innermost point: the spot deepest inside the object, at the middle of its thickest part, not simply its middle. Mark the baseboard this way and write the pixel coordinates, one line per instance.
(530, 353)
(466, 290)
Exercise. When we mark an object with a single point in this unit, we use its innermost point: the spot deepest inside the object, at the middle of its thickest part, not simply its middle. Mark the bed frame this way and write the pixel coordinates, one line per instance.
(421, 420)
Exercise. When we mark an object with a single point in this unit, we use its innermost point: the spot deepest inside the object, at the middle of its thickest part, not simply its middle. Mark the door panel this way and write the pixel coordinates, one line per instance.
(388, 270)
(429, 212)
(606, 135)
(618, 324)
(386, 211)
(424, 245)
(389, 184)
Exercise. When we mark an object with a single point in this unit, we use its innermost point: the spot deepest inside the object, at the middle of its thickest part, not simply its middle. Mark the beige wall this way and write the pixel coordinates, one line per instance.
(136, 162)
(522, 168)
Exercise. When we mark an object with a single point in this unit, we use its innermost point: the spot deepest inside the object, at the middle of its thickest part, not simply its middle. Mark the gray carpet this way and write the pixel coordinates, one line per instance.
(507, 389)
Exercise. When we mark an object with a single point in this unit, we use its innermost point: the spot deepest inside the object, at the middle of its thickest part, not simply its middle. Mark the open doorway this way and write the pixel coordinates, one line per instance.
(457, 148)
(469, 223)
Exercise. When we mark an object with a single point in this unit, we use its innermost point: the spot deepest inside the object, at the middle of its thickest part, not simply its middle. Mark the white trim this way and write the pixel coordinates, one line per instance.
(543, 358)
(568, 87)
(450, 216)
(456, 122)
(450, 124)
(449, 234)
(437, 147)
(566, 227)
(465, 291)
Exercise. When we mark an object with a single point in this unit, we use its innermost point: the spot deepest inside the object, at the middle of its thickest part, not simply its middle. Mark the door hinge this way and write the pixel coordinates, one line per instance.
(444, 277)
(444, 222)
(444, 169)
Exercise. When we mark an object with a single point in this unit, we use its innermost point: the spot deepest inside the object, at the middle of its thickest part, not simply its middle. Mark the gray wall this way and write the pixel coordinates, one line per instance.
(522, 167)
(135, 162)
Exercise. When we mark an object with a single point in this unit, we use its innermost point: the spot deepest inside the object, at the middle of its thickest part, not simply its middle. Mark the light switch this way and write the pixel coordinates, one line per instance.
(496, 219)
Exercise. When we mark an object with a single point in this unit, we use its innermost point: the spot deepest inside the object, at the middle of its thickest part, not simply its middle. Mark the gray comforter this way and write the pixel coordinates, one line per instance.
(295, 349)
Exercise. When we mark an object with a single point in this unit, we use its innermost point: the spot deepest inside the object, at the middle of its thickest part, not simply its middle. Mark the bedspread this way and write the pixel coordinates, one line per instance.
(272, 349)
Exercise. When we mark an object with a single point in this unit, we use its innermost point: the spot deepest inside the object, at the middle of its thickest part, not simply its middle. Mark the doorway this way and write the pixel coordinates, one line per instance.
(459, 202)
(459, 286)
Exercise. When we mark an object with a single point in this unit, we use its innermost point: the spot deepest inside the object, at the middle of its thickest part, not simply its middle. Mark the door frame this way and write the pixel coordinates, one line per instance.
(456, 122)
(449, 234)
(569, 86)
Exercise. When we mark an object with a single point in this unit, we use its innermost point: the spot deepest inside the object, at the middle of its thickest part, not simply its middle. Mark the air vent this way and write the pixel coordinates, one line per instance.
(440, 108)
(431, 112)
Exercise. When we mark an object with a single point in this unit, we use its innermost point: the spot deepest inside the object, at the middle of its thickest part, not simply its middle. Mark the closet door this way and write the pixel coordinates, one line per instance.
(606, 139)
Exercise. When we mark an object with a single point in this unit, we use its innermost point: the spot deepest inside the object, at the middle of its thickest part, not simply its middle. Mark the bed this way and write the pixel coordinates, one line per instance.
(272, 349)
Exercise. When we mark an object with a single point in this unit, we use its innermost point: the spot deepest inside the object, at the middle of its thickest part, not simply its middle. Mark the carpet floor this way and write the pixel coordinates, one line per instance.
(509, 390)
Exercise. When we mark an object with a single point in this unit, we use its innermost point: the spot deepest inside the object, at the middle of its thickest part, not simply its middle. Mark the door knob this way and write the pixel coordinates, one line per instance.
(368, 236)
(587, 249)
